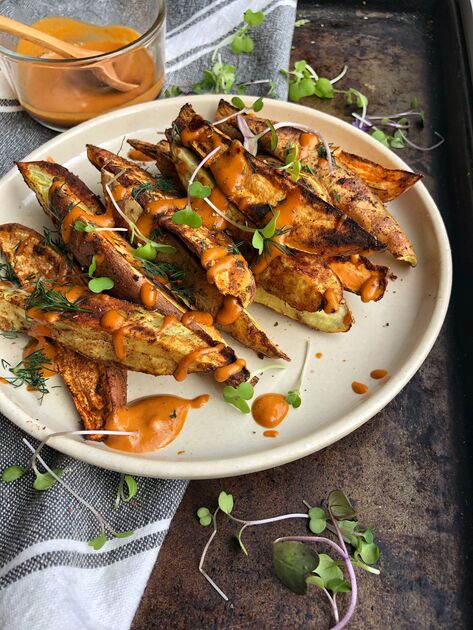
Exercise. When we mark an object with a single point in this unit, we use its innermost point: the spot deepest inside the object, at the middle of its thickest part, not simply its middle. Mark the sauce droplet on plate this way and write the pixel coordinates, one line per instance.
(269, 410)
(270, 433)
(359, 388)
(377, 374)
(157, 420)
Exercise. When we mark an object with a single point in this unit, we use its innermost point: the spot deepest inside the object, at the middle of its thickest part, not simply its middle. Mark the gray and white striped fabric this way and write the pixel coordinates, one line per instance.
(49, 577)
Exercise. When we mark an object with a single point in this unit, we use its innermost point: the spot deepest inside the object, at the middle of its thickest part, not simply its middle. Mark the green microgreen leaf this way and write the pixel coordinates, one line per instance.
(294, 399)
(274, 136)
(270, 228)
(44, 481)
(340, 506)
(12, 473)
(126, 534)
(225, 502)
(132, 488)
(347, 528)
(379, 135)
(97, 285)
(292, 562)
(204, 516)
(150, 250)
(253, 18)
(81, 226)
(92, 267)
(301, 22)
(238, 103)
(317, 520)
(338, 585)
(98, 542)
(242, 43)
(237, 396)
(258, 241)
(328, 569)
(258, 104)
(323, 88)
(369, 552)
(316, 580)
(187, 216)
(196, 189)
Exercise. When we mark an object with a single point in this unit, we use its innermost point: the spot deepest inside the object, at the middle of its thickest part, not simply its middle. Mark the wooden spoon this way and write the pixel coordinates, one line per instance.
(105, 72)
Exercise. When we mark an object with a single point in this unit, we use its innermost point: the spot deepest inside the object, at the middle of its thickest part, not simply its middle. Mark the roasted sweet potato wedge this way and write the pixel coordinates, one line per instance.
(97, 388)
(386, 183)
(256, 188)
(231, 277)
(348, 192)
(145, 342)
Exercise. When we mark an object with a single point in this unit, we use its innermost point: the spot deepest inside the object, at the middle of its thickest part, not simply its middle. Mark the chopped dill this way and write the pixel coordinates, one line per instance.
(53, 238)
(141, 188)
(174, 274)
(29, 371)
(10, 334)
(6, 272)
(307, 169)
(235, 248)
(164, 183)
(52, 301)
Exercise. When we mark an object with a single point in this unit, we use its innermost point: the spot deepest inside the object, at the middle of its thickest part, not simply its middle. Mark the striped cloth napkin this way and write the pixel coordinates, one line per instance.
(49, 577)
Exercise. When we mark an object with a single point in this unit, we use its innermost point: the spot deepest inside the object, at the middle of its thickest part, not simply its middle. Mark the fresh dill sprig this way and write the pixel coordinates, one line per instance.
(29, 371)
(6, 272)
(53, 238)
(52, 301)
(172, 273)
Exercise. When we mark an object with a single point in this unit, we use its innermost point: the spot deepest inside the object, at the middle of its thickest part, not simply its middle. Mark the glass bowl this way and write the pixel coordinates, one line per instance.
(127, 35)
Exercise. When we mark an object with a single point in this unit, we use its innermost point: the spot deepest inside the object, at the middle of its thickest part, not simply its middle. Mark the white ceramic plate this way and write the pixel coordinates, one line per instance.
(395, 334)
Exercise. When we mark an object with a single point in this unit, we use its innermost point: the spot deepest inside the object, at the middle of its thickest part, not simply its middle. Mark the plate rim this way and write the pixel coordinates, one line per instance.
(279, 455)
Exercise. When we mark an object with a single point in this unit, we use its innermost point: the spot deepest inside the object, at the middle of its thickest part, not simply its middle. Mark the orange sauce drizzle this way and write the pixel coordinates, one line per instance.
(286, 212)
(269, 410)
(270, 433)
(37, 313)
(318, 355)
(359, 388)
(222, 265)
(229, 312)
(200, 317)
(154, 208)
(212, 254)
(347, 318)
(222, 374)
(112, 320)
(378, 374)
(307, 141)
(148, 295)
(119, 192)
(184, 364)
(139, 156)
(157, 420)
(4, 380)
(118, 340)
(331, 303)
(78, 213)
(369, 289)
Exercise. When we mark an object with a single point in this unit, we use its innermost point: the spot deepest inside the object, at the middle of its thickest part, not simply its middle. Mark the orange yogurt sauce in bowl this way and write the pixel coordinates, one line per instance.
(65, 94)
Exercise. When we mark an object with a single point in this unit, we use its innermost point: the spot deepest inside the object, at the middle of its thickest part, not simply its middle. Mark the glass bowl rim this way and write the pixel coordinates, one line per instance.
(84, 61)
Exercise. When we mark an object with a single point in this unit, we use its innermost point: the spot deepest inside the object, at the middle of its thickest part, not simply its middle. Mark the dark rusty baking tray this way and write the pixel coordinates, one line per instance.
(411, 467)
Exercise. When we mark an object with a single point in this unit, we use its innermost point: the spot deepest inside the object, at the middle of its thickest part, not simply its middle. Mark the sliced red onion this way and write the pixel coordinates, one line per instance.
(250, 140)
(394, 116)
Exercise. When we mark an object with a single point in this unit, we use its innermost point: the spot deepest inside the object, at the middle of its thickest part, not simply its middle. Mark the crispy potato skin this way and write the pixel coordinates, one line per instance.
(347, 190)
(301, 280)
(235, 280)
(97, 388)
(316, 227)
(146, 347)
(386, 183)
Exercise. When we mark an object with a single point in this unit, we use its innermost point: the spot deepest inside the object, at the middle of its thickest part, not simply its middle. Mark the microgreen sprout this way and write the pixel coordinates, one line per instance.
(239, 395)
(257, 106)
(44, 481)
(293, 397)
(82, 226)
(304, 81)
(301, 22)
(188, 216)
(97, 285)
(126, 491)
(296, 563)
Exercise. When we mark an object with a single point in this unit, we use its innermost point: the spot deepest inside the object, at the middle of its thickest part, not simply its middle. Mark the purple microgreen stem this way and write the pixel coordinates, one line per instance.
(419, 148)
(339, 76)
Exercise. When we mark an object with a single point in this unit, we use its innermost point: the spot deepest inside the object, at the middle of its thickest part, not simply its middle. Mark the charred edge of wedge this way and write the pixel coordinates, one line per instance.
(39, 176)
(340, 321)
(147, 349)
